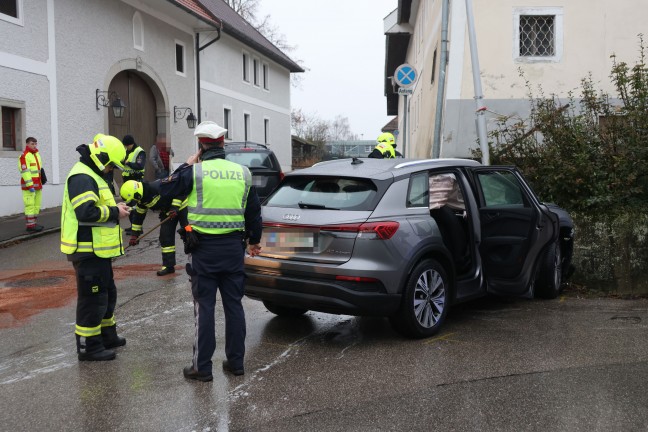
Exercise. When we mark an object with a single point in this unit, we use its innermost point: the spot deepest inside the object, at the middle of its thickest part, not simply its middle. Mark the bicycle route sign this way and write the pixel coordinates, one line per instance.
(405, 75)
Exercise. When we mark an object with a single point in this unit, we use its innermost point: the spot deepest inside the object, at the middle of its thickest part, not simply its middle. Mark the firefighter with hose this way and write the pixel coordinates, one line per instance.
(146, 195)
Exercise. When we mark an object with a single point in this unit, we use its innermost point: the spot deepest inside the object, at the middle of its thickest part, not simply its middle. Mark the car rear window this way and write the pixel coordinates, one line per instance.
(329, 192)
(250, 159)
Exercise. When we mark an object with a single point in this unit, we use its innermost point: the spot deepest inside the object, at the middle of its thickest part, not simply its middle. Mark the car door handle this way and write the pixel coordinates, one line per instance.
(491, 215)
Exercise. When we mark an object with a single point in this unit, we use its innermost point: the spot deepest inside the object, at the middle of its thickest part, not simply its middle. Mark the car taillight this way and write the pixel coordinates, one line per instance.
(356, 278)
(281, 175)
(370, 230)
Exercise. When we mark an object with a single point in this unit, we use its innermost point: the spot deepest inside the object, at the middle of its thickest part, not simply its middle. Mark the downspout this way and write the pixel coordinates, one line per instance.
(198, 49)
(443, 65)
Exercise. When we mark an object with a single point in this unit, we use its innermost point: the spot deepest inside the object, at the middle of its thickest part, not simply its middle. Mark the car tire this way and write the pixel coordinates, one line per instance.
(284, 310)
(425, 301)
(549, 279)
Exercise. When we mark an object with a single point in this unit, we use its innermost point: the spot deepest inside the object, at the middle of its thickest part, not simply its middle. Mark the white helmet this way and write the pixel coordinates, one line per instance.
(209, 129)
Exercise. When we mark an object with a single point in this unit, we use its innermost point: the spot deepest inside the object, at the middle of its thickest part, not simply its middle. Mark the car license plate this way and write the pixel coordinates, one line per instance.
(290, 241)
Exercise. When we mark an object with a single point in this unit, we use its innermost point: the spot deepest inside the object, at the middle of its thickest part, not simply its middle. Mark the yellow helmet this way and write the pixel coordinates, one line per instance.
(107, 149)
(131, 190)
(386, 138)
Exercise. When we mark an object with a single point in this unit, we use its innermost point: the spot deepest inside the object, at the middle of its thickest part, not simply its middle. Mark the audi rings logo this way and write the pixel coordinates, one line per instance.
(291, 217)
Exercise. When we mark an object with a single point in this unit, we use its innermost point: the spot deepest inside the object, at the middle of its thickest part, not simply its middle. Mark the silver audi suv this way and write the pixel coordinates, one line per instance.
(405, 239)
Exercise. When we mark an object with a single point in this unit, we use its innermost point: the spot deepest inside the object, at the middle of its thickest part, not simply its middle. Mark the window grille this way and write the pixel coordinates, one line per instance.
(537, 36)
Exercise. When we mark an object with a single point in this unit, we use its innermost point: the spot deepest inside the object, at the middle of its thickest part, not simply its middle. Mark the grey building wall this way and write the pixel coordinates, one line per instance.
(223, 87)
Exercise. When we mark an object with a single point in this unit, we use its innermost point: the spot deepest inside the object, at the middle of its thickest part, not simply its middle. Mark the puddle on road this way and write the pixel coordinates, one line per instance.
(25, 292)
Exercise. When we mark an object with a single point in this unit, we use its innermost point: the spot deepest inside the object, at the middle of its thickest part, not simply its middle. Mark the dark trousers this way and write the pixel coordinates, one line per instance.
(96, 291)
(217, 264)
(168, 237)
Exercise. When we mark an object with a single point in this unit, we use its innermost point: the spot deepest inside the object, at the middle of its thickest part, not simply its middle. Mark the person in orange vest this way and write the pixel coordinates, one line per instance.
(32, 179)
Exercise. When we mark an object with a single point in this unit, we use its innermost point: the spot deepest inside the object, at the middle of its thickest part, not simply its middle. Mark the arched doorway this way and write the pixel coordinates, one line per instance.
(140, 115)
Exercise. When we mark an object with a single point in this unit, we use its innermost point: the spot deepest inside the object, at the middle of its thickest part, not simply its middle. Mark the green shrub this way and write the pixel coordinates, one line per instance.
(588, 153)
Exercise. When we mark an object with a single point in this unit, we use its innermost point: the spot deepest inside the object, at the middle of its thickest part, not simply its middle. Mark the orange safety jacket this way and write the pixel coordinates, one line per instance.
(29, 165)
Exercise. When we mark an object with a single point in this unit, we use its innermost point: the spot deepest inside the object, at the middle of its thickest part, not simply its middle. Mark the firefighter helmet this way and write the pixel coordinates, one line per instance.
(386, 138)
(107, 149)
(131, 190)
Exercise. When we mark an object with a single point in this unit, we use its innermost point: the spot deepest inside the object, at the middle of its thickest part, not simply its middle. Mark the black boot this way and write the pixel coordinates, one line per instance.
(110, 338)
(165, 271)
(168, 264)
(92, 349)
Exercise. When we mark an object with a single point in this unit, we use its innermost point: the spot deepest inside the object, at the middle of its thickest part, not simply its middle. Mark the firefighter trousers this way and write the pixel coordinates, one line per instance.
(168, 238)
(96, 296)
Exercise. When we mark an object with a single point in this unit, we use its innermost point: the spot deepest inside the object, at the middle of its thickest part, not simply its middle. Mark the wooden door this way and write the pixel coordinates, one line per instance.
(139, 118)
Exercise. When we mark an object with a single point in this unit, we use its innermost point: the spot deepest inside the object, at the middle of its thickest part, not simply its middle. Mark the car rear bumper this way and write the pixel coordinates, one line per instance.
(322, 295)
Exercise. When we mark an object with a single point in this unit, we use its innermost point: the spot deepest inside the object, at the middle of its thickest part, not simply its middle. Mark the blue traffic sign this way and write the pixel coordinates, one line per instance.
(405, 75)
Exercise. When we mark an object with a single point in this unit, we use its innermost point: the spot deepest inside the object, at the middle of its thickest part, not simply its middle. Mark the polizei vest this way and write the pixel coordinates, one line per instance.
(219, 195)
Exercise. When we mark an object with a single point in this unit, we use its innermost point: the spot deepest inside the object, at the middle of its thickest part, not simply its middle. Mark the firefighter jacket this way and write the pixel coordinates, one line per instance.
(29, 165)
(383, 151)
(90, 216)
(151, 200)
(220, 196)
(134, 165)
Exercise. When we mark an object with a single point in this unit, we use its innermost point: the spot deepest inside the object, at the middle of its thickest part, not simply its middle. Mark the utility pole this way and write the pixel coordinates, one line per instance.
(479, 97)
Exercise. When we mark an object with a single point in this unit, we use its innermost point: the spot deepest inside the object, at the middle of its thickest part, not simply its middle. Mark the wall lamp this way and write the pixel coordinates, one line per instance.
(180, 112)
(107, 98)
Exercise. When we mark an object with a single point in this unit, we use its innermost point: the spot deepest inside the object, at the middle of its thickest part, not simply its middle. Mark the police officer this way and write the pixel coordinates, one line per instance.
(147, 197)
(91, 237)
(386, 147)
(224, 214)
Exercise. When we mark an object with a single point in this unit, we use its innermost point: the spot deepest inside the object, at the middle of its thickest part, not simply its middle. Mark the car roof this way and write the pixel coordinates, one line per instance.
(246, 144)
(379, 168)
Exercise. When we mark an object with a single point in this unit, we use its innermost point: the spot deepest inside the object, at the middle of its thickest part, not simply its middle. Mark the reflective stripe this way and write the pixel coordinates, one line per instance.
(135, 227)
(168, 249)
(217, 224)
(87, 331)
(217, 211)
(152, 202)
(108, 322)
(80, 199)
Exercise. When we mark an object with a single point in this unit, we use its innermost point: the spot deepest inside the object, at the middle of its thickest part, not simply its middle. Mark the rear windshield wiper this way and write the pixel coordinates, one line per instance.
(315, 206)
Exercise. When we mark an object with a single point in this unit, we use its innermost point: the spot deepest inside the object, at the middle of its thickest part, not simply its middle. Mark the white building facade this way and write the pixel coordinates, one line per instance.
(552, 45)
(61, 61)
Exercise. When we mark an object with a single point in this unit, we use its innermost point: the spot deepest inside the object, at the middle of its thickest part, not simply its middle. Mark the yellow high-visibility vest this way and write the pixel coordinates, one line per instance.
(106, 236)
(216, 204)
(128, 171)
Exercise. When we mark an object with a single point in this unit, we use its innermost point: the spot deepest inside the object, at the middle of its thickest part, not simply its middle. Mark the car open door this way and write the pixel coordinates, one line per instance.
(514, 230)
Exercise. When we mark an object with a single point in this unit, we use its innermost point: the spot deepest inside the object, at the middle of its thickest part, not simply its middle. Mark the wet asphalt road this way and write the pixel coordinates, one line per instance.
(499, 364)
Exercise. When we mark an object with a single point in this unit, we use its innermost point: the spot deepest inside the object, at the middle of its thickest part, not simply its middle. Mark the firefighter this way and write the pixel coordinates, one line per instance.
(225, 216)
(147, 197)
(386, 147)
(32, 179)
(91, 237)
(135, 160)
(134, 168)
